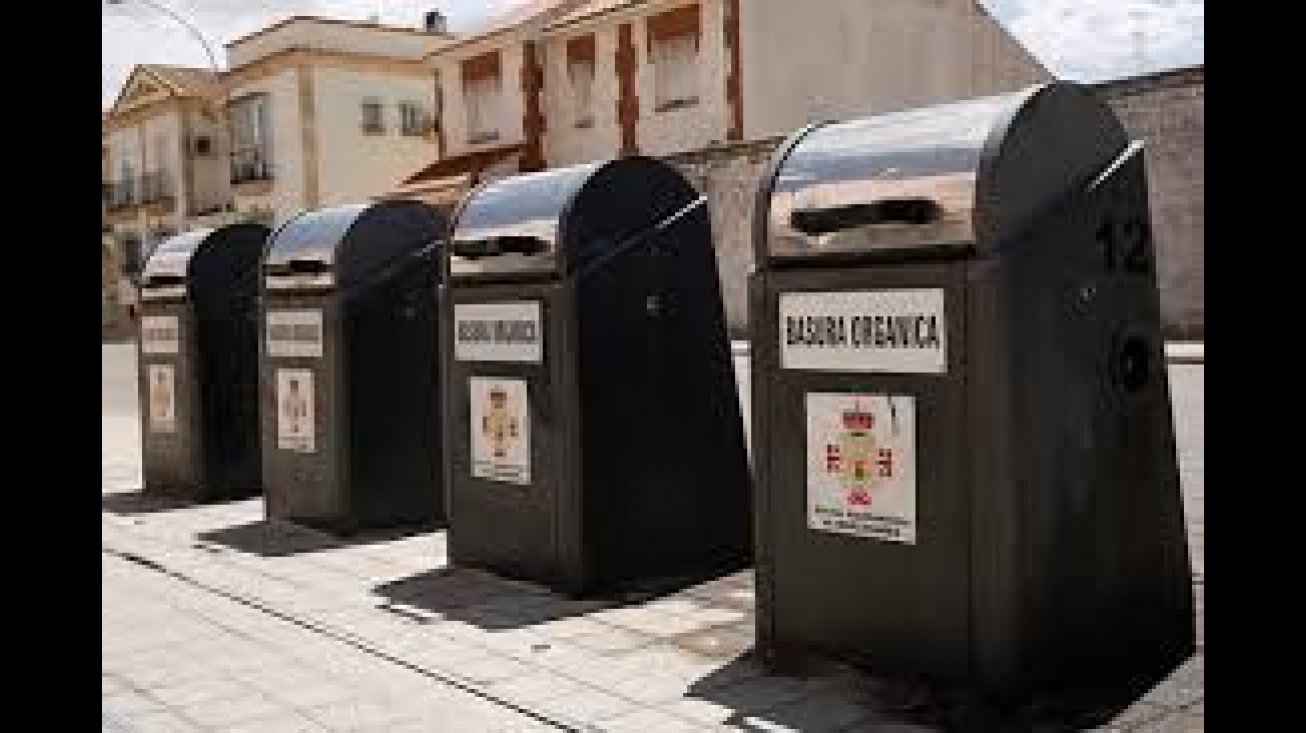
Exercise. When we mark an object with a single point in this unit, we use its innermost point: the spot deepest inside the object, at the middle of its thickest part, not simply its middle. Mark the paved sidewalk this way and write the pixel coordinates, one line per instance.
(177, 658)
(280, 618)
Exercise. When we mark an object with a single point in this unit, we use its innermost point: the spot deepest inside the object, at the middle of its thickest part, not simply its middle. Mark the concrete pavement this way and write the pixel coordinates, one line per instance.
(217, 620)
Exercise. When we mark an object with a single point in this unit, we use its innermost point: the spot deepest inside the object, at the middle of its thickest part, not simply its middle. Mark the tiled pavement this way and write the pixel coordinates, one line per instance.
(232, 621)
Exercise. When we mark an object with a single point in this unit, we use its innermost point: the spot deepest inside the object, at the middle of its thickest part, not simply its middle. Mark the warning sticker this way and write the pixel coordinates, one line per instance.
(295, 422)
(861, 465)
(162, 398)
(500, 425)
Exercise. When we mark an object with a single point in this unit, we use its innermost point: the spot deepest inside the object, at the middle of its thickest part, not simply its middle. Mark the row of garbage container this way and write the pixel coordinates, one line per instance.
(963, 462)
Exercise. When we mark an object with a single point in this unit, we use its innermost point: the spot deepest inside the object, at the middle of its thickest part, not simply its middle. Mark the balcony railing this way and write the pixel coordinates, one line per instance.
(250, 165)
(154, 188)
(120, 195)
(139, 190)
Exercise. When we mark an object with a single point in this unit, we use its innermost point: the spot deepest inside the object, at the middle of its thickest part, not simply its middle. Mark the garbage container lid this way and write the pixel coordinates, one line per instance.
(169, 263)
(307, 243)
(963, 175)
(564, 219)
(317, 248)
(512, 224)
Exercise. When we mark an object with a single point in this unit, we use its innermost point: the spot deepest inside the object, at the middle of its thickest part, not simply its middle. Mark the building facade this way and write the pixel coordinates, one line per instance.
(311, 112)
(163, 165)
(325, 112)
(560, 82)
(711, 85)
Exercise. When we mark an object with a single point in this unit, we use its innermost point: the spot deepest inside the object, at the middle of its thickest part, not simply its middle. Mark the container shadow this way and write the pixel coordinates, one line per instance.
(134, 502)
(823, 695)
(279, 538)
(496, 603)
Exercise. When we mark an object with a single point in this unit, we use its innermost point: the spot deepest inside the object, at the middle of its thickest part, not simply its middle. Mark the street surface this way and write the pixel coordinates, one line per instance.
(215, 620)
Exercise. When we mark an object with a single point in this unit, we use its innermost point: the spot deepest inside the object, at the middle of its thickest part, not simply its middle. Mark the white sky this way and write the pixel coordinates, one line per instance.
(1076, 39)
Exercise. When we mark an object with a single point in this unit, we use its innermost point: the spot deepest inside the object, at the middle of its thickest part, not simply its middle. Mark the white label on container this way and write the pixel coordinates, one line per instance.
(898, 331)
(501, 430)
(295, 333)
(161, 396)
(295, 419)
(861, 465)
(498, 332)
(160, 335)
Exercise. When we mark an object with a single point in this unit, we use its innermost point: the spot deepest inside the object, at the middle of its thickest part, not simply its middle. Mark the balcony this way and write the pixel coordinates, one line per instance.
(250, 166)
(149, 190)
(154, 188)
(119, 195)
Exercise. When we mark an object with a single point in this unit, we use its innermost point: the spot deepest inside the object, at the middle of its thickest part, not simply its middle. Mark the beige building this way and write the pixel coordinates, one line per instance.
(565, 81)
(164, 164)
(311, 112)
(325, 112)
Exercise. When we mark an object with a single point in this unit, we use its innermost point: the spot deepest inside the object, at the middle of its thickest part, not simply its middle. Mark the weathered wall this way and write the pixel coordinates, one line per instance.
(836, 59)
(1167, 111)
(728, 176)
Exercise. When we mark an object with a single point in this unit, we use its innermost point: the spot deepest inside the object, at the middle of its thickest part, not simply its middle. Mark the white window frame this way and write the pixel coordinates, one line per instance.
(484, 101)
(675, 71)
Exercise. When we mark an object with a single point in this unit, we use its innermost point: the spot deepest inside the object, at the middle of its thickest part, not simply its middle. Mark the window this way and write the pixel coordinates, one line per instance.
(675, 73)
(673, 51)
(373, 123)
(580, 75)
(203, 146)
(412, 120)
(251, 158)
(483, 93)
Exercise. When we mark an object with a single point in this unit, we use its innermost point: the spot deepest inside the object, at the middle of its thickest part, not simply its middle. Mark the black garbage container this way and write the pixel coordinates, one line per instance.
(199, 364)
(592, 423)
(350, 390)
(966, 464)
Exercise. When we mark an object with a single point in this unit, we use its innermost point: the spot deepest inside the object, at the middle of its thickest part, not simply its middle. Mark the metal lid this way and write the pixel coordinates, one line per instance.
(961, 176)
(512, 224)
(306, 247)
(353, 244)
(169, 263)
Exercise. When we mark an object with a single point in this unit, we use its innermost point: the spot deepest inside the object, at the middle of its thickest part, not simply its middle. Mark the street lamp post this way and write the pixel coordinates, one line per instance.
(208, 48)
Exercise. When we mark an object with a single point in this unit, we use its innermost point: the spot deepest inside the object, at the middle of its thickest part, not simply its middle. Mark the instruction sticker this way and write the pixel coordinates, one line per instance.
(159, 335)
(893, 331)
(295, 333)
(861, 465)
(295, 420)
(498, 332)
(162, 397)
(500, 424)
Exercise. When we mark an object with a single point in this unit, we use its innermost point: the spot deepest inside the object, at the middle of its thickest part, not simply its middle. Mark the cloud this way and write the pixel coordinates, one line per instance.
(1105, 39)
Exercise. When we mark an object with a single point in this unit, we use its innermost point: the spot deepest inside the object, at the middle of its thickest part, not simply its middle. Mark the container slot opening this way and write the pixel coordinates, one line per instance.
(495, 246)
(298, 267)
(163, 281)
(913, 211)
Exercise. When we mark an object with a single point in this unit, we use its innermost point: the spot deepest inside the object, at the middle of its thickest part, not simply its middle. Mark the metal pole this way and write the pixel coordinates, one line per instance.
(208, 49)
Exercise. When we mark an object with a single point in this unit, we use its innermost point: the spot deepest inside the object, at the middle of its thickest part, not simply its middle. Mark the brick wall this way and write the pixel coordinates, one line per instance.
(1167, 111)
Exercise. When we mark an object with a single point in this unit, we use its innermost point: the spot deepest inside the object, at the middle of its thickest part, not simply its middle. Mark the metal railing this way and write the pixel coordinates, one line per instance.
(154, 187)
(147, 188)
(250, 165)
